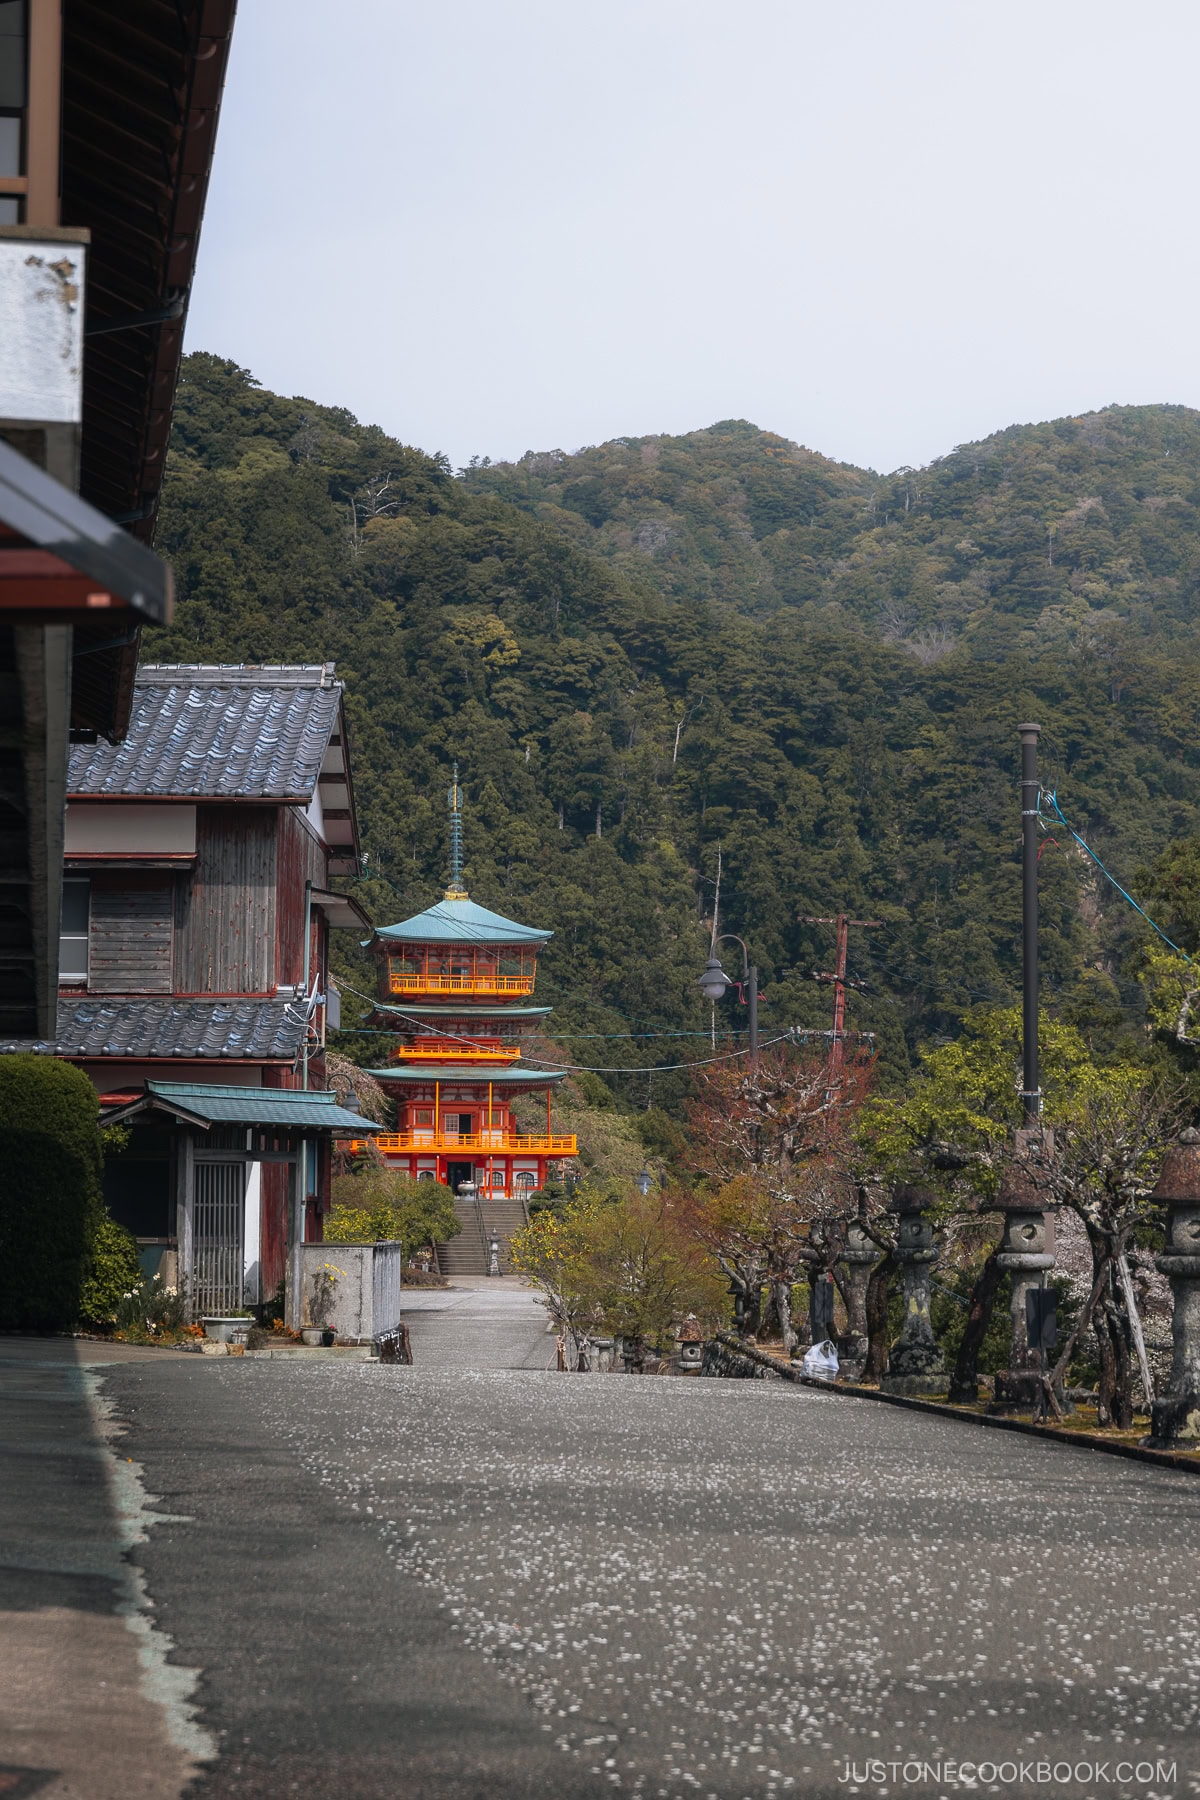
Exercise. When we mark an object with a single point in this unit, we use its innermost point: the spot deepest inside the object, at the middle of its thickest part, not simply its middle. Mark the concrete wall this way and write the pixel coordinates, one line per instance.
(366, 1289)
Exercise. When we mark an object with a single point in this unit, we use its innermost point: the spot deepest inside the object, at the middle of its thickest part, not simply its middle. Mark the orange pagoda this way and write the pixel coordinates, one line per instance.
(456, 985)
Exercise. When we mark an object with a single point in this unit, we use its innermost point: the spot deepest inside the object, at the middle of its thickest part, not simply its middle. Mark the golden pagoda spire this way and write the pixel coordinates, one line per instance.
(456, 890)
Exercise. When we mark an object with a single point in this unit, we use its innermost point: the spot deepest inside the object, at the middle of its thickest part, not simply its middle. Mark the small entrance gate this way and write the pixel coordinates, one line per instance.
(219, 1240)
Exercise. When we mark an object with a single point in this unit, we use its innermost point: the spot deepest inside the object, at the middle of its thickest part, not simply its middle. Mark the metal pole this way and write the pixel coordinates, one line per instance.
(836, 1049)
(1031, 1093)
(753, 1016)
(308, 894)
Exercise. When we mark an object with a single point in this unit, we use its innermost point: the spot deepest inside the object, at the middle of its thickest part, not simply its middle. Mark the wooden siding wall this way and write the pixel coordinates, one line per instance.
(129, 940)
(225, 915)
(301, 858)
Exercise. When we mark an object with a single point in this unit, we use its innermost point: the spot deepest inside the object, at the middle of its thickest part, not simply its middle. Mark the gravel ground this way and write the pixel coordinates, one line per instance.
(446, 1580)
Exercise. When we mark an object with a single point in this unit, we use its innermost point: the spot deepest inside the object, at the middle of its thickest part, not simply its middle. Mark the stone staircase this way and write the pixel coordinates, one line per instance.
(467, 1254)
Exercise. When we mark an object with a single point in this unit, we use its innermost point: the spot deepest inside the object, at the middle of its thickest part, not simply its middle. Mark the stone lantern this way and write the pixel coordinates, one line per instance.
(915, 1363)
(1175, 1418)
(860, 1256)
(1026, 1255)
(689, 1344)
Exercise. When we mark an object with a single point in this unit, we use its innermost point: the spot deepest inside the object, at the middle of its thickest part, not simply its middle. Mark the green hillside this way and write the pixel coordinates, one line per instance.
(659, 646)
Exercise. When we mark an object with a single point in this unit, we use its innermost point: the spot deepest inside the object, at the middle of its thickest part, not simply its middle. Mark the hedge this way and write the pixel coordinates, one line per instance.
(50, 1193)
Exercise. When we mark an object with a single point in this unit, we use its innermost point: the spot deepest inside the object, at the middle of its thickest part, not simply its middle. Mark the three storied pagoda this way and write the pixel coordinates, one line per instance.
(456, 985)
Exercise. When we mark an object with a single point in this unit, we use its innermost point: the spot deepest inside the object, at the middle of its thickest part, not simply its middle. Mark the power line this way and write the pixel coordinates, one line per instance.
(582, 1068)
(1051, 795)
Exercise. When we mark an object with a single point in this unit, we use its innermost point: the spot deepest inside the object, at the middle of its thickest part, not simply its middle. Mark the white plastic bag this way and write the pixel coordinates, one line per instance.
(821, 1361)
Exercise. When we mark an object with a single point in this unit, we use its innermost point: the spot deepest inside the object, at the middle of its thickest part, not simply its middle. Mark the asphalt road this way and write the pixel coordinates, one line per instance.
(475, 1580)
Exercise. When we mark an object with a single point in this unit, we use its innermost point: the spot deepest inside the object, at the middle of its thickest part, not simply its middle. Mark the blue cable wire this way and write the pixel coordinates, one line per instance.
(1051, 794)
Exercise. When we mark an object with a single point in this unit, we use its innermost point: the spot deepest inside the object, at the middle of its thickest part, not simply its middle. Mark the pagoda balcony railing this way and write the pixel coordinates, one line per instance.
(459, 984)
(457, 1053)
(496, 1142)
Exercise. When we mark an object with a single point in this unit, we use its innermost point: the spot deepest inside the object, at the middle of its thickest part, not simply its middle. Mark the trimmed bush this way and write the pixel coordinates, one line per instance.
(113, 1271)
(50, 1197)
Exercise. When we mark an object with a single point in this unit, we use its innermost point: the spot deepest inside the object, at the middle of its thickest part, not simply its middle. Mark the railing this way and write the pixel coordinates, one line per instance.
(509, 1142)
(456, 1053)
(459, 984)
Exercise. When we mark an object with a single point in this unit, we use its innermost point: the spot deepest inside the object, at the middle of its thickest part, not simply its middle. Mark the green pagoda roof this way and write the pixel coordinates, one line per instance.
(469, 1075)
(462, 922)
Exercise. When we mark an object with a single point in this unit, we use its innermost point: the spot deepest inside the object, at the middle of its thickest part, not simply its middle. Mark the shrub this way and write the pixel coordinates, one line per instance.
(113, 1270)
(50, 1204)
(381, 1203)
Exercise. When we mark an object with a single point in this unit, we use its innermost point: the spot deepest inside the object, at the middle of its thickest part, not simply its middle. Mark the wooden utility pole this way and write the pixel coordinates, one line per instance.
(839, 979)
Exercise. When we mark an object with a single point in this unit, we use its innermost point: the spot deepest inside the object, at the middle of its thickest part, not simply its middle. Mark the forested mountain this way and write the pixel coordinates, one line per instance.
(660, 646)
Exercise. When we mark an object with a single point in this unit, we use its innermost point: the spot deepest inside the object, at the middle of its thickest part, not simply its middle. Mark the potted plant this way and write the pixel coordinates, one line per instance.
(320, 1307)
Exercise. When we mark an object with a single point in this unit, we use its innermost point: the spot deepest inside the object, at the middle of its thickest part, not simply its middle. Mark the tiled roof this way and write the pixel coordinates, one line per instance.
(260, 1106)
(253, 732)
(270, 1029)
(462, 922)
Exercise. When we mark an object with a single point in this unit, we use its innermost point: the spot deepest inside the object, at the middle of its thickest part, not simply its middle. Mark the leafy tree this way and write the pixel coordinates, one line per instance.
(551, 1251)
(378, 1204)
(630, 1265)
(1108, 1150)
(641, 1271)
(773, 1141)
(953, 1125)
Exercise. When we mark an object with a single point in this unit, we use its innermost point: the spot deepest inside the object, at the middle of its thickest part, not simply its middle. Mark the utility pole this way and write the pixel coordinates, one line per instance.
(839, 979)
(714, 980)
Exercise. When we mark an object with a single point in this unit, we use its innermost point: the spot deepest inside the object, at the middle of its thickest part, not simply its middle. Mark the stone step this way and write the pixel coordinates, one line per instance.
(467, 1253)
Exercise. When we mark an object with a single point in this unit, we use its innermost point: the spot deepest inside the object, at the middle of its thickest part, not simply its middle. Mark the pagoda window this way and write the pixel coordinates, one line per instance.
(526, 1179)
(422, 1115)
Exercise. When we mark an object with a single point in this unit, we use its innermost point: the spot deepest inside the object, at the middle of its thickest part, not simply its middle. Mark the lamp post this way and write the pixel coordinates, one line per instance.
(714, 984)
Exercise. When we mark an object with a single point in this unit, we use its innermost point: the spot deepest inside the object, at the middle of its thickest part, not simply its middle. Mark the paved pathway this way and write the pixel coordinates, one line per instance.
(455, 1582)
(89, 1709)
(481, 1322)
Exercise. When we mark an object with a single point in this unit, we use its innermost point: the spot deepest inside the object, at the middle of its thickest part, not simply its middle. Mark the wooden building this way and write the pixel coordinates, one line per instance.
(108, 118)
(456, 986)
(193, 968)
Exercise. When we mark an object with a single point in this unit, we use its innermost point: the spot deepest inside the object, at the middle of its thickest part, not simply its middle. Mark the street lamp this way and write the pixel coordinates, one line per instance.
(714, 984)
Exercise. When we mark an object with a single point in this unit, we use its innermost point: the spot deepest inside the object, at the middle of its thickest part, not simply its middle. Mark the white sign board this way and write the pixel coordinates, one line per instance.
(41, 329)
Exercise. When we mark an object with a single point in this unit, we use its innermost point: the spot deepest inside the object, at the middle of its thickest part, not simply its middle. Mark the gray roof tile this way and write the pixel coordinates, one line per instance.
(96, 1026)
(253, 732)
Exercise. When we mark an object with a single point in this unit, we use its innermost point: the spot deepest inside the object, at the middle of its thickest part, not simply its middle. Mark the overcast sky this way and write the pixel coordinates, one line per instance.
(882, 230)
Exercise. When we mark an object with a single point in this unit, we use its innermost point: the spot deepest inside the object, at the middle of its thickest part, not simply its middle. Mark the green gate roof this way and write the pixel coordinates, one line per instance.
(312, 1109)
